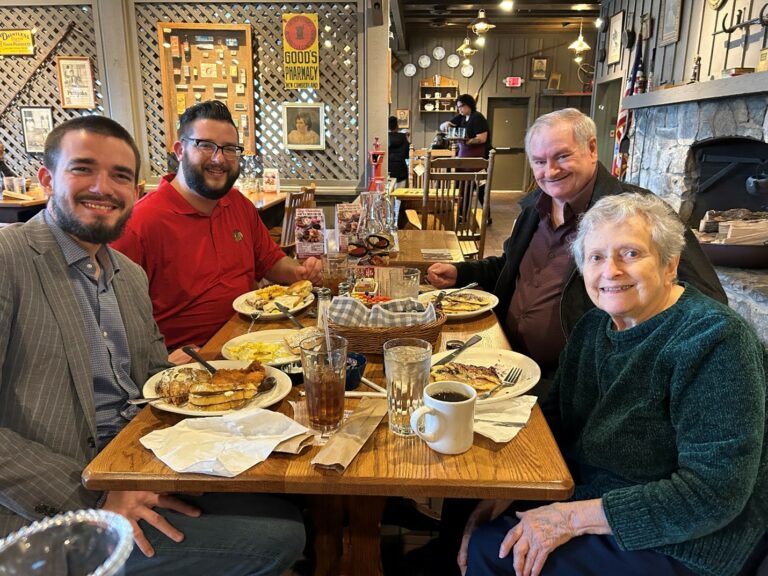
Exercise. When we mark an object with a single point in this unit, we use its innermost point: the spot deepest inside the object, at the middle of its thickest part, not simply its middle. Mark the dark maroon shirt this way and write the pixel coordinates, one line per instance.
(533, 317)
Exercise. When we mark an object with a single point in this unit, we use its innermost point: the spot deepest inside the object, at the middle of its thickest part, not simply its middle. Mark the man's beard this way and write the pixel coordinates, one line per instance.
(194, 176)
(96, 233)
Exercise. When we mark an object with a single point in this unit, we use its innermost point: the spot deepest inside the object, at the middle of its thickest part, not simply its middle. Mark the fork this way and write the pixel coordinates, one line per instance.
(510, 379)
(255, 315)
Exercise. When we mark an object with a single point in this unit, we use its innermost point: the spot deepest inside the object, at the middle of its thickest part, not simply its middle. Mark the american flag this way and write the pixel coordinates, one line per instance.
(635, 85)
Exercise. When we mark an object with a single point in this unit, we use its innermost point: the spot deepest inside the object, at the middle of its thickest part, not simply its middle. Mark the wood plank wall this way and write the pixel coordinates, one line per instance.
(514, 52)
(700, 34)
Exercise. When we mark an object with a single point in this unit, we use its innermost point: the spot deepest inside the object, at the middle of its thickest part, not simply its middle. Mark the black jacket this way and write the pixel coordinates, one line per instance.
(398, 153)
(499, 273)
(4, 170)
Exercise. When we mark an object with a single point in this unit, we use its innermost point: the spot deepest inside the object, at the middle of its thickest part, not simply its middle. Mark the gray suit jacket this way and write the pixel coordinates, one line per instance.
(47, 414)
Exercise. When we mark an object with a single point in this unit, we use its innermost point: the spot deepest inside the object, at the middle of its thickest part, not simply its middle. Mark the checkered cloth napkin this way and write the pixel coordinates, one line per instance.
(351, 312)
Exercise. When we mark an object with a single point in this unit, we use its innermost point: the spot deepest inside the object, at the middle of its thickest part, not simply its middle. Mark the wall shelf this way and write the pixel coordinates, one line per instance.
(753, 83)
(448, 88)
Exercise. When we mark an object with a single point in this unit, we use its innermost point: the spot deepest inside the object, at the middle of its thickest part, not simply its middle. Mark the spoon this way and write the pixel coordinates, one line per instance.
(193, 353)
(266, 385)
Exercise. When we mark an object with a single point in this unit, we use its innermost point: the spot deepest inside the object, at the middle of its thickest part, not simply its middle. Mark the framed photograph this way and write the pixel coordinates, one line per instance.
(36, 122)
(303, 126)
(669, 27)
(75, 82)
(554, 81)
(403, 118)
(646, 26)
(538, 68)
(614, 38)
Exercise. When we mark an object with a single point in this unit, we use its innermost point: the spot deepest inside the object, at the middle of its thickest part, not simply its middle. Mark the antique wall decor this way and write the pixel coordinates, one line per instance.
(301, 58)
(75, 82)
(538, 68)
(200, 62)
(303, 126)
(36, 123)
(403, 116)
(16, 42)
(669, 26)
(614, 38)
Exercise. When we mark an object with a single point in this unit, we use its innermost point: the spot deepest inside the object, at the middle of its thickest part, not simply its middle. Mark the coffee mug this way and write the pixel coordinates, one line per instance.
(449, 417)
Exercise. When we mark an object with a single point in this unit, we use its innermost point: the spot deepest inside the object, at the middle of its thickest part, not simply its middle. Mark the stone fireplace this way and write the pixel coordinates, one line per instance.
(670, 138)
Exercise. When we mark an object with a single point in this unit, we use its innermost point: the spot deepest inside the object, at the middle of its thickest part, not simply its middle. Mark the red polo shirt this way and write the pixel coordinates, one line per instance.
(197, 264)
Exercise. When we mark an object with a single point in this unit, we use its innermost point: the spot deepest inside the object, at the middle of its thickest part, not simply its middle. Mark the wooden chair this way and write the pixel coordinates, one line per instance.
(450, 200)
(417, 157)
(285, 235)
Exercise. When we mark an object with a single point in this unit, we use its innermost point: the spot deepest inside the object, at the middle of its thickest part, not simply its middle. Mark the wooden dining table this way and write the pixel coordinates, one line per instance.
(530, 467)
(20, 210)
(412, 242)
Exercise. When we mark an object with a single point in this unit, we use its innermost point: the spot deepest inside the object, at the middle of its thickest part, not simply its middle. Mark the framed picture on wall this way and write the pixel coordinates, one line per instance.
(614, 38)
(538, 68)
(36, 123)
(554, 81)
(403, 118)
(75, 82)
(669, 27)
(303, 126)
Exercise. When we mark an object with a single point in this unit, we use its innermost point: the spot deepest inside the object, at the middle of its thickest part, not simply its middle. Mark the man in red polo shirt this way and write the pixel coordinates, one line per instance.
(201, 242)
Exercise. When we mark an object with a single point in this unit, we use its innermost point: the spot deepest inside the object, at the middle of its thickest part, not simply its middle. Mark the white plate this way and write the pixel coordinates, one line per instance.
(266, 336)
(240, 306)
(280, 391)
(503, 361)
(427, 296)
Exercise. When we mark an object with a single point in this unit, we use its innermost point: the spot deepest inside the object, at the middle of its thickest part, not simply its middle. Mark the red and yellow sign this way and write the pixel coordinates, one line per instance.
(16, 43)
(301, 59)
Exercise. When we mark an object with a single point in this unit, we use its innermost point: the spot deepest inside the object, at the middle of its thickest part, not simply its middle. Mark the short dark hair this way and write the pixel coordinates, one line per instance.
(392, 123)
(94, 124)
(305, 117)
(468, 100)
(208, 110)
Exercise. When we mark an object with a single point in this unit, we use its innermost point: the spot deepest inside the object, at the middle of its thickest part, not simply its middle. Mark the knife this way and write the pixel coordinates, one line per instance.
(290, 316)
(452, 356)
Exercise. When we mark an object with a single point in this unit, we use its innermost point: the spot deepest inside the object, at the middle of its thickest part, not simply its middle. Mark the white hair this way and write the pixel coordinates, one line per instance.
(582, 125)
(667, 230)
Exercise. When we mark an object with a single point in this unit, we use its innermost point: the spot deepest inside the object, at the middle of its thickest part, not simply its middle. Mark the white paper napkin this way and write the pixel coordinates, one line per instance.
(516, 410)
(222, 445)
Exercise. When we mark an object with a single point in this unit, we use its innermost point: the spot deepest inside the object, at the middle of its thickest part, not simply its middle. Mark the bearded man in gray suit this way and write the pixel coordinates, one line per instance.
(77, 340)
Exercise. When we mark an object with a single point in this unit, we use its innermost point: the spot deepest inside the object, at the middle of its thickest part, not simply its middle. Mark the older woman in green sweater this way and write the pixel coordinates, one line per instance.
(659, 406)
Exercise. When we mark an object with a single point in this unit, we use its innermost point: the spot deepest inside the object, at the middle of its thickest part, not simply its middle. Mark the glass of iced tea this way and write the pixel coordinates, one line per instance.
(335, 270)
(324, 380)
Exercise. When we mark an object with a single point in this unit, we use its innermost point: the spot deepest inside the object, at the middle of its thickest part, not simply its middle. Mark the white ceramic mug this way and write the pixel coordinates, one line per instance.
(449, 417)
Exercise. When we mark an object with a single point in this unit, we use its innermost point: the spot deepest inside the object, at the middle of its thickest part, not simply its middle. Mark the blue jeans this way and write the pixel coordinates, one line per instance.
(236, 534)
(589, 555)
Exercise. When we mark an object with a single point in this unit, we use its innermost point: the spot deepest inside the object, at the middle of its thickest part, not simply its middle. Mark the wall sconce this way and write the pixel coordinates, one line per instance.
(480, 25)
(506, 5)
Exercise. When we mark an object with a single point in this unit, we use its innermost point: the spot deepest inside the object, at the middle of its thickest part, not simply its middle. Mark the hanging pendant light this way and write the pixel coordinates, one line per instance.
(465, 49)
(480, 25)
(579, 45)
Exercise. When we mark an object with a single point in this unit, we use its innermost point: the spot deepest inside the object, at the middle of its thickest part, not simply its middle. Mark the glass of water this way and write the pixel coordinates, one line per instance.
(404, 282)
(406, 362)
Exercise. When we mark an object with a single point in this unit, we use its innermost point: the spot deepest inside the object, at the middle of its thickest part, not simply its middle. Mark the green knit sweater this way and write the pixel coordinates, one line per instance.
(666, 422)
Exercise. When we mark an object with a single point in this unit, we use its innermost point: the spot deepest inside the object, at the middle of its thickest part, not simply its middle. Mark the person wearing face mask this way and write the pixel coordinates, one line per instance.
(200, 241)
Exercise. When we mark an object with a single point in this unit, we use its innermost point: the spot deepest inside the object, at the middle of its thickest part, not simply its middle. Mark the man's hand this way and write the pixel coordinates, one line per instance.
(485, 511)
(442, 275)
(311, 269)
(135, 506)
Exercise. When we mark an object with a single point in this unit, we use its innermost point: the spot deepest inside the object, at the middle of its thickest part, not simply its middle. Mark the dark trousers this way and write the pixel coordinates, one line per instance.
(589, 555)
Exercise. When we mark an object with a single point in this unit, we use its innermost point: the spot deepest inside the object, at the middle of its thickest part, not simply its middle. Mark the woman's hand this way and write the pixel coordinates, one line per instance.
(485, 511)
(543, 529)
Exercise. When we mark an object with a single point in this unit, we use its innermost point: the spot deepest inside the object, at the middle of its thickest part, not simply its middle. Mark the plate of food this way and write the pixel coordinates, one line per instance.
(198, 393)
(465, 304)
(272, 347)
(295, 297)
(484, 369)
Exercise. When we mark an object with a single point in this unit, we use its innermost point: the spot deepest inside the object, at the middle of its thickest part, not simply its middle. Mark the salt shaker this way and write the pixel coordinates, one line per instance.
(345, 289)
(323, 302)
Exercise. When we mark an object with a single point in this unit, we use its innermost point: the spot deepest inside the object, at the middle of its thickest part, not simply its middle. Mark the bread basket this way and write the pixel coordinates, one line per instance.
(370, 340)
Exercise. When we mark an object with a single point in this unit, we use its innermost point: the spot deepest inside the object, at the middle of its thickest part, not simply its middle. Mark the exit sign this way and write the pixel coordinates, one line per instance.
(513, 81)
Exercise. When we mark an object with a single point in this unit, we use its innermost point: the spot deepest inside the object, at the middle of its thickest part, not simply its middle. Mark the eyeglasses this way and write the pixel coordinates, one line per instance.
(211, 148)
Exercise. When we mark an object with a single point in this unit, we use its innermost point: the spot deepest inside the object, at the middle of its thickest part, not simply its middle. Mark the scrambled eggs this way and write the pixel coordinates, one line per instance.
(262, 351)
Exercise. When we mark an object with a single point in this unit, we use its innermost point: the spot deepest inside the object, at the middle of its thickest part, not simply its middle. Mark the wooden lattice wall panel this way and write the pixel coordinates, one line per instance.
(338, 83)
(42, 89)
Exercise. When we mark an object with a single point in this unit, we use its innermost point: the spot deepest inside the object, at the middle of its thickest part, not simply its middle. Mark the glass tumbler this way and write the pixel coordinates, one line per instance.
(325, 375)
(406, 362)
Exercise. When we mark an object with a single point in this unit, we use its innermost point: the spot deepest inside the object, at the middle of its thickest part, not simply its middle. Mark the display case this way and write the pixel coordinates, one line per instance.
(438, 94)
